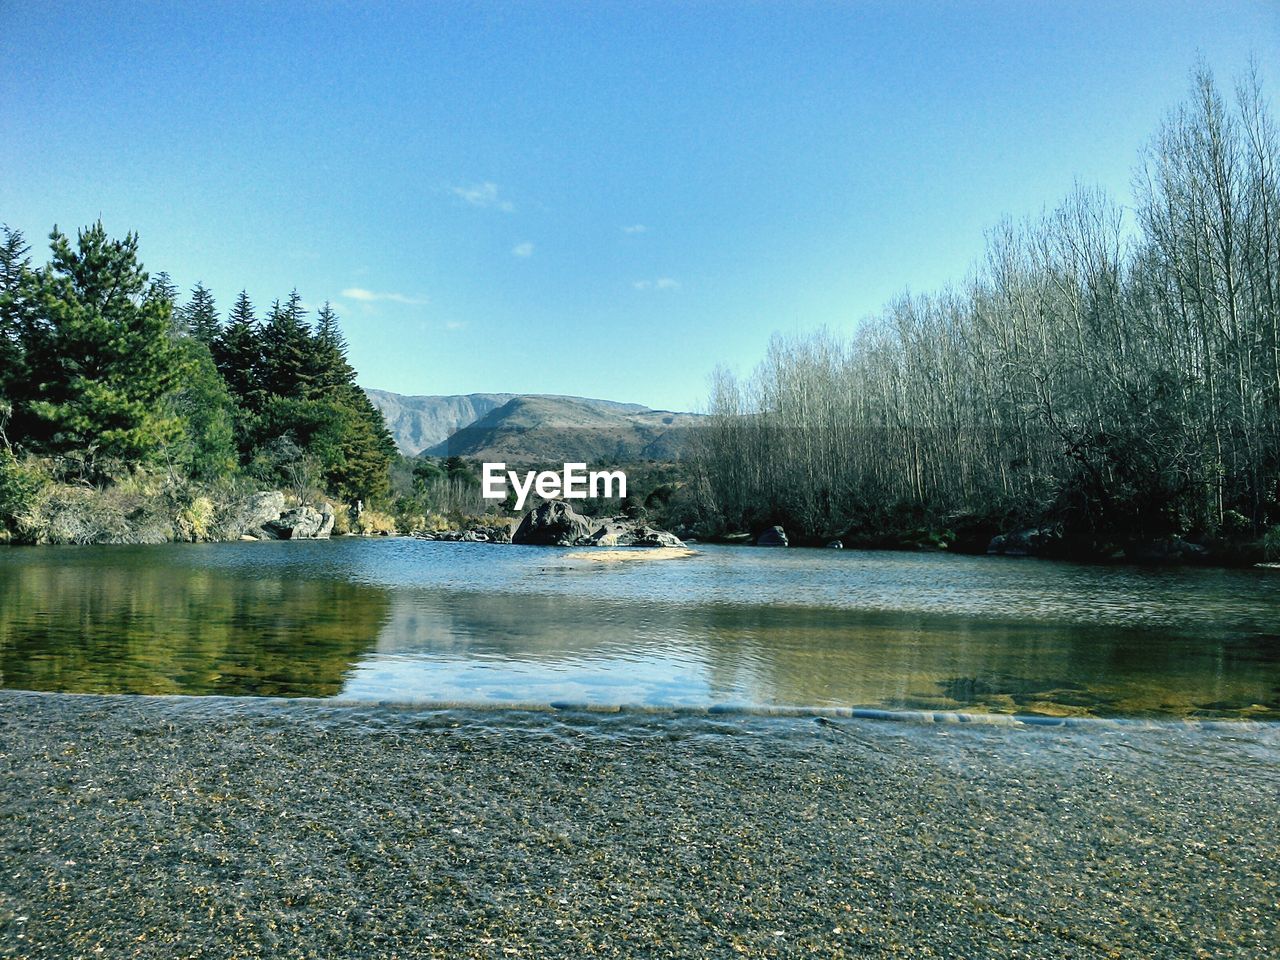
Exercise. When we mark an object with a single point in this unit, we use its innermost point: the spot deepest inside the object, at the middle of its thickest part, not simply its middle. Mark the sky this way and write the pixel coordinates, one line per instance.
(601, 199)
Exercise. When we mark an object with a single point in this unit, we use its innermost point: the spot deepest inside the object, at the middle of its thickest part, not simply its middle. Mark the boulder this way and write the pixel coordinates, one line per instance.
(625, 532)
(302, 523)
(261, 509)
(1030, 542)
(652, 537)
(552, 524)
(773, 537)
(555, 523)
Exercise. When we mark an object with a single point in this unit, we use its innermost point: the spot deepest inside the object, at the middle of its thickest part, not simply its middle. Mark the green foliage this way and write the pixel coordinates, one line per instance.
(1271, 544)
(200, 315)
(237, 353)
(206, 448)
(98, 375)
(351, 448)
(99, 356)
(13, 265)
(287, 350)
(20, 485)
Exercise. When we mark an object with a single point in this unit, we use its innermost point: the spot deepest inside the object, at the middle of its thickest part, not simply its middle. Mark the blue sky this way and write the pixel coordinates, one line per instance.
(604, 199)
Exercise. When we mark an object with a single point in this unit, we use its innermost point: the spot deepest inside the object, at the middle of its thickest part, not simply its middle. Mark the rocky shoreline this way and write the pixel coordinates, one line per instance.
(150, 827)
(556, 524)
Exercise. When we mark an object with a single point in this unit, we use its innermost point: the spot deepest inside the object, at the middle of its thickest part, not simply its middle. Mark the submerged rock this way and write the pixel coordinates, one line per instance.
(773, 537)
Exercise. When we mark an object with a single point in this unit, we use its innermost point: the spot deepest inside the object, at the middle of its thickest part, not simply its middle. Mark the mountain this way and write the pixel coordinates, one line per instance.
(548, 429)
(422, 423)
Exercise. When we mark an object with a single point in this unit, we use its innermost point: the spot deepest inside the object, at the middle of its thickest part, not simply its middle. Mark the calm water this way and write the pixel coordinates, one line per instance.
(411, 620)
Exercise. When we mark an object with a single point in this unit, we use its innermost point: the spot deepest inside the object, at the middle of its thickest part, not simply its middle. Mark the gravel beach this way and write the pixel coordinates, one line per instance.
(209, 827)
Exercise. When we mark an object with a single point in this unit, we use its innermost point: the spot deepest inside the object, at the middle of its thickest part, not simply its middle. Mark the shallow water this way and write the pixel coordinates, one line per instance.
(419, 621)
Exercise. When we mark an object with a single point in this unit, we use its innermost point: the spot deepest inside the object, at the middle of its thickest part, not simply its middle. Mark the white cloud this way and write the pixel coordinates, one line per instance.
(369, 296)
(523, 250)
(635, 228)
(661, 283)
(484, 195)
(455, 324)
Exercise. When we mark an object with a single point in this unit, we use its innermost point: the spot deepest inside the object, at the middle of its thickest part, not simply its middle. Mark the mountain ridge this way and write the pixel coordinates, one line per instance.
(530, 427)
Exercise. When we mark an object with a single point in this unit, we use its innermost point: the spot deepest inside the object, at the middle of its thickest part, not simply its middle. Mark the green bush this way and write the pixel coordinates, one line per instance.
(21, 484)
(1271, 543)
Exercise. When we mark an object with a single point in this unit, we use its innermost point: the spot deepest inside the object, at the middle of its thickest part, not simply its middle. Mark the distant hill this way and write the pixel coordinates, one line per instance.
(547, 429)
(531, 428)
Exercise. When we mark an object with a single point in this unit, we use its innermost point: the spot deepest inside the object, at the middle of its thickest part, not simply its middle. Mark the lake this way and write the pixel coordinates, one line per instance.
(416, 621)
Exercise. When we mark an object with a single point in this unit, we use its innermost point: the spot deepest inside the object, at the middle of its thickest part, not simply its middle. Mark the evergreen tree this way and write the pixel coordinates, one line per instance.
(206, 448)
(331, 368)
(237, 352)
(163, 287)
(100, 356)
(287, 350)
(200, 315)
(13, 264)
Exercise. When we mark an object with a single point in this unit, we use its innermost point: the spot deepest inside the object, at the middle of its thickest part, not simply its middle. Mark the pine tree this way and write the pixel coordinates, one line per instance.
(163, 287)
(287, 350)
(13, 264)
(200, 315)
(237, 352)
(100, 356)
(330, 364)
(206, 449)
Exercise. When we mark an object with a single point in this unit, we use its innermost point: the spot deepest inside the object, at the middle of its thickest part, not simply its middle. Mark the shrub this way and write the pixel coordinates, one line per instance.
(194, 522)
(375, 522)
(21, 484)
(1271, 543)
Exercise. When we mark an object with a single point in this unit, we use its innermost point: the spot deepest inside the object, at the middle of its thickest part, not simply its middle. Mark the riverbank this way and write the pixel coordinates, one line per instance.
(145, 827)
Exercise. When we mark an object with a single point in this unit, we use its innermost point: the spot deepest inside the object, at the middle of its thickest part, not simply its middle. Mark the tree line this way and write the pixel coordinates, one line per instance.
(1114, 372)
(105, 375)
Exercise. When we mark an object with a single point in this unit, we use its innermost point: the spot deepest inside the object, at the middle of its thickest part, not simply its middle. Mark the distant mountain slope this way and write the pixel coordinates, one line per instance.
(420, 423)
(547, 429)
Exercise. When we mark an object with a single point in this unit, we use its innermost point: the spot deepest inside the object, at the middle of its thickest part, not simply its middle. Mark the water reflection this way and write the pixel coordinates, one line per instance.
(515, 648)
(138, 627)
(444, 622)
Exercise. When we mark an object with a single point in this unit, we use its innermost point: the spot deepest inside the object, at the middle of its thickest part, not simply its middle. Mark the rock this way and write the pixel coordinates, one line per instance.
(302, 523)
(478, 534)
(1167, 550)
(501, 534)
(773, 537)
(1030, 542)
(554, 524)
(625, 532)
(261, 509)
(652, 537)
(248, 538)
(835, 545)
